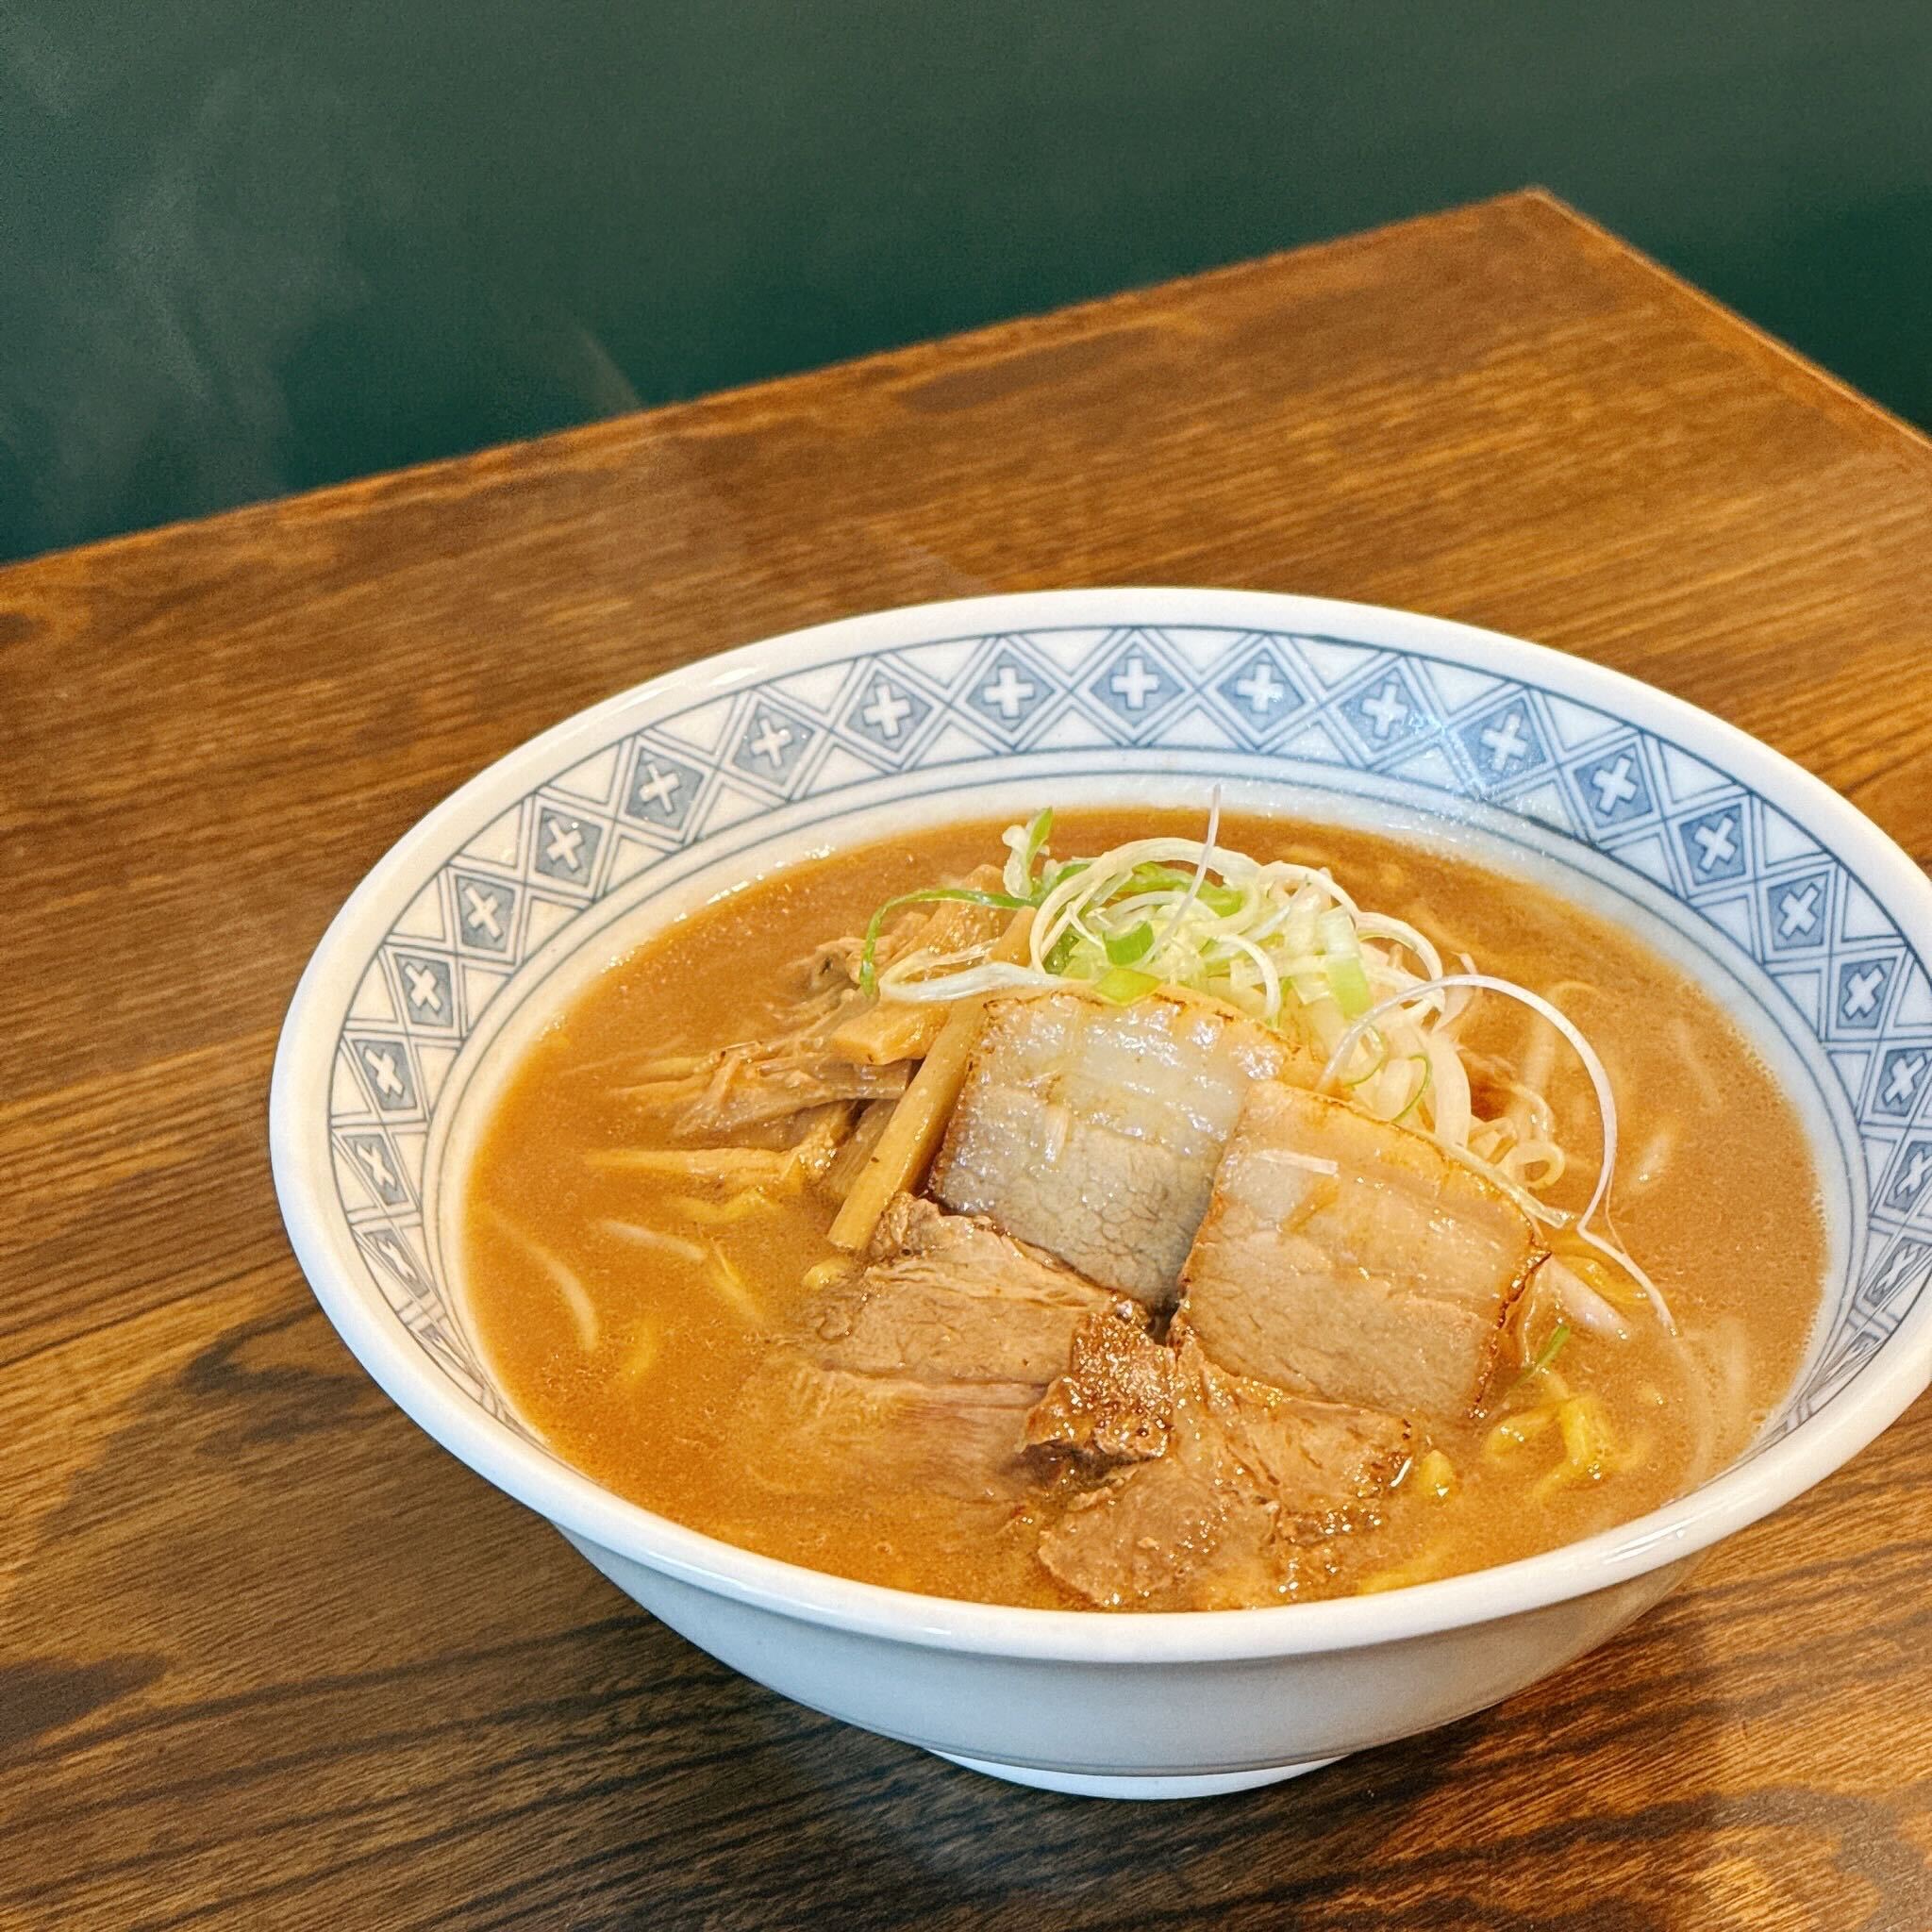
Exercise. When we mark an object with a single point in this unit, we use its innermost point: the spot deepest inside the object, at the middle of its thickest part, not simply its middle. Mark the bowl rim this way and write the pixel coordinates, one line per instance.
(1898, 1372)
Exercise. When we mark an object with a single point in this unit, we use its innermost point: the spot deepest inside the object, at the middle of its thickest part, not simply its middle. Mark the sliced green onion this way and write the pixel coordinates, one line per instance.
(1061, 956)
(1327, 1022)
(1151, 878)
(1130, 945)
(1335, 932)
(1298, 932)
(868, 970)
(1607, 1111)
(1348, 980)
(1123, 985)
(1341, 963)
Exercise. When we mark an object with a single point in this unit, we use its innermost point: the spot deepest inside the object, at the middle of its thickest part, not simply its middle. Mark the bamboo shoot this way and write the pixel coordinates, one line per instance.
(911, 1137)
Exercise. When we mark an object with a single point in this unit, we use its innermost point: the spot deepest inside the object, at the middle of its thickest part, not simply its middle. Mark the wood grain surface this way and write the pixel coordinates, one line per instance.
(269, 1657)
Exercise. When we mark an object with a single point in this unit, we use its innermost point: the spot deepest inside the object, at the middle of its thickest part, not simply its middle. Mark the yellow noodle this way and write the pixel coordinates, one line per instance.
(732, 1286)
(1420, 1568)
(563, 1277)
(638, 1236)
(696, 1163)
(721, 1213)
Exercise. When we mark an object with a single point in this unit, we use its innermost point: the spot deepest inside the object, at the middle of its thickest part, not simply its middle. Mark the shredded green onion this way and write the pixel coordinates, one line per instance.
(925, 895)
(1424, 1081)
(1283, 943)
(1548, 1353)
(1280, 942)
(1399, 1011)
(1158, 880)
(1381, 1060)
(1025, 844)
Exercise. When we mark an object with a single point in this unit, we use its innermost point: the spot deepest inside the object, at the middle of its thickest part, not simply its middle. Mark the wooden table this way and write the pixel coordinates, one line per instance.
(248, 1674)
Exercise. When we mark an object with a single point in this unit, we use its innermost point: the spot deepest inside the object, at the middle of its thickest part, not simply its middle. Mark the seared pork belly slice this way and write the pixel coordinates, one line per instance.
(1235, 1507)
(1349, 1258)
(1092, 1131)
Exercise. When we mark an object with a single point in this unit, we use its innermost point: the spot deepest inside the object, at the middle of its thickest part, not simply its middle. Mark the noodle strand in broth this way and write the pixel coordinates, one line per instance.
(1250, 1242)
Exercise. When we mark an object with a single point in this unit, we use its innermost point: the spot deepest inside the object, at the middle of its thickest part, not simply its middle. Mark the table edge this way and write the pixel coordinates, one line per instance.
(1793, 370)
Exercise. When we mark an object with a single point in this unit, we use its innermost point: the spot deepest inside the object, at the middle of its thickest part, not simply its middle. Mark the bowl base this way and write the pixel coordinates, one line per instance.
(1081, 1784)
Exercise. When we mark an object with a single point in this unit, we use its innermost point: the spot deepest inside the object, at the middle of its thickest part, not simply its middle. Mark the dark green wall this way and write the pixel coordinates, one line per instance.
(246, 248)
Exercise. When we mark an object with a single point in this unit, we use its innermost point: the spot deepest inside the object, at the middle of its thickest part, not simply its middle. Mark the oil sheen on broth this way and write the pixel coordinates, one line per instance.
(632, 1313)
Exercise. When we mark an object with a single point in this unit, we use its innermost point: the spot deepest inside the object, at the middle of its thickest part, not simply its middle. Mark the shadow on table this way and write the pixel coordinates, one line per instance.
(290, 1656)
(806, 1818)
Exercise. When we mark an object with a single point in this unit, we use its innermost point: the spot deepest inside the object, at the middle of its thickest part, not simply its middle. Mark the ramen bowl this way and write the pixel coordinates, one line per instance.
(1769, 890)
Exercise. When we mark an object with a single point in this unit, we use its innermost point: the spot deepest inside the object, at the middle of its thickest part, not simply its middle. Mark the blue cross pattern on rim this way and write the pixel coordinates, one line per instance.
(1861, 990)
(1263, 691)
(1384, 710)
(1314, 707)
(566, 847)
(1913, 1172)
(1615, 788)
(1714, 844)
(386, 1064)
(1504, 745)
(486, 912)
(1135, 682)
(429, 994)
(888, 712)
(663, 790)
(376, 1161)
(771, 744)
(1010, 691)
(1901, 1080)
(1798, 911)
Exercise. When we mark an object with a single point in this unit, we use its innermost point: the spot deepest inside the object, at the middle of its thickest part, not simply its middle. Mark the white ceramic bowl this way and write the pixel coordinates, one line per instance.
(558, 858)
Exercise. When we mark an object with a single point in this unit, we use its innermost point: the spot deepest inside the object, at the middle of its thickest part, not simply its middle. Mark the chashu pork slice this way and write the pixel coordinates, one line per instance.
(1092, 1131)
(947, 1298)
(1225, 1493)
(1346, 1257)
(918, 1372)
(1114, 1401)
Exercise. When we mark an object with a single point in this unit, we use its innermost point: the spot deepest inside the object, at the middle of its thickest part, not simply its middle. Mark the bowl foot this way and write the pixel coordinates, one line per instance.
(1082, 1784)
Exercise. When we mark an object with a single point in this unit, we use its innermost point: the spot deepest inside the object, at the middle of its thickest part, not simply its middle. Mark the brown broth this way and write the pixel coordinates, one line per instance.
(1730, 1224)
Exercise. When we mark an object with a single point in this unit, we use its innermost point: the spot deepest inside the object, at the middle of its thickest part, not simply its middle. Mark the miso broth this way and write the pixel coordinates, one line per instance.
(631, 1311)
